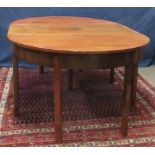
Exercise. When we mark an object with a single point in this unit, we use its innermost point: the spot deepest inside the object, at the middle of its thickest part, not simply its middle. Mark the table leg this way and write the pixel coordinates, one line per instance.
(134, 85)
(126, 100)
(57, 98)
(70, 81)
(112, 70)
(15, 80)
(41, 69)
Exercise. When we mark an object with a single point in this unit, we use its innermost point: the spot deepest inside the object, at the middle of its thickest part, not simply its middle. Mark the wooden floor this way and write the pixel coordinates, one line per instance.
(148, 73)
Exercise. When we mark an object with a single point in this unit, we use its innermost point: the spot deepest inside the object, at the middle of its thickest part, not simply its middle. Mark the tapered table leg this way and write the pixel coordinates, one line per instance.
(15, 80)
(41, 69)
(112, 75)
(126, 100)
(70, 81)
(57, 99)
(134, 85)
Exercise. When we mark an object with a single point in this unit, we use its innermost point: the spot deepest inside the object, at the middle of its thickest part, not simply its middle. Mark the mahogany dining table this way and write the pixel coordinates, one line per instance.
(77, 42)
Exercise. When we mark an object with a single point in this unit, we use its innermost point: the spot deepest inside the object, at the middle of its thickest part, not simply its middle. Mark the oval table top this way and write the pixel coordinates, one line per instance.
(74, 35)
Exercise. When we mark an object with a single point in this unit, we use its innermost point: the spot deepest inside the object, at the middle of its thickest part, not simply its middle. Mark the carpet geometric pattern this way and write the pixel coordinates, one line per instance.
(91, 111)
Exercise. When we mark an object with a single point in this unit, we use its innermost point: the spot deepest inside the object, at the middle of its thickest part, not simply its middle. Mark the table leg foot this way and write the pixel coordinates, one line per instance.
(57, 99)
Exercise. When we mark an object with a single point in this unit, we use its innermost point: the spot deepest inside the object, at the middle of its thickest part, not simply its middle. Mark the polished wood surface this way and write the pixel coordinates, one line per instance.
(74, 35)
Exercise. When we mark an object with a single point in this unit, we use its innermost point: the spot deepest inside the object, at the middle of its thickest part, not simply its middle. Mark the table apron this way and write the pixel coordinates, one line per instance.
(75, 61)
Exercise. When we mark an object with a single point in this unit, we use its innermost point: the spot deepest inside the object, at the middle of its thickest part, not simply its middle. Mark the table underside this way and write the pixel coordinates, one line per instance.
(59, 61)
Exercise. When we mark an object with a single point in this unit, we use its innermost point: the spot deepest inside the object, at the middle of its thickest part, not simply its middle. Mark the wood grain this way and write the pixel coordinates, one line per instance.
(72, 35)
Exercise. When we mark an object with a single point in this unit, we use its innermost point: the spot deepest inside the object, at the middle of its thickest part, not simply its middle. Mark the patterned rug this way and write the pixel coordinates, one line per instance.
(91, 111)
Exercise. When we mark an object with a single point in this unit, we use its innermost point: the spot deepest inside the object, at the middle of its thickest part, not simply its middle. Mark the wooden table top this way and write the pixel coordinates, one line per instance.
(74, 35)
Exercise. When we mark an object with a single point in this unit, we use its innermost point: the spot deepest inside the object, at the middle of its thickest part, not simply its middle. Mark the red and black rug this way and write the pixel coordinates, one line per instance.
(91, 111)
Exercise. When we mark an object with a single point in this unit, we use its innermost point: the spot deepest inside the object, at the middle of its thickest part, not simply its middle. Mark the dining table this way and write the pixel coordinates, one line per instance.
(69, 42)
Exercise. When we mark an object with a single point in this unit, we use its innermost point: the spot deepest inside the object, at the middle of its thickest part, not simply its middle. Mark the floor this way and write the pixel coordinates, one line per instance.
(148, 73)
